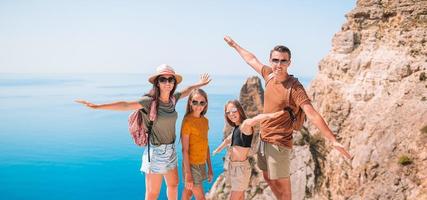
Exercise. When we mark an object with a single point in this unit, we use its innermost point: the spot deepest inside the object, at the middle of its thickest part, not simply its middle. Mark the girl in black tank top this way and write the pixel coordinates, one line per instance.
(242, 133)
(240, 140)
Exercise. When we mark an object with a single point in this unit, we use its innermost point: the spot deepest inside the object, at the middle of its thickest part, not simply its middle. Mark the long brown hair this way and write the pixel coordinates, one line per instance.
(188, 110)
(155, 92)
(190, 99)
(239, 109)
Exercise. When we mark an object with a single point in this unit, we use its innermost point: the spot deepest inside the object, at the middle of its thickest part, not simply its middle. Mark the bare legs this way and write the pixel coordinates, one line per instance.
(281, 187)
(153, 182)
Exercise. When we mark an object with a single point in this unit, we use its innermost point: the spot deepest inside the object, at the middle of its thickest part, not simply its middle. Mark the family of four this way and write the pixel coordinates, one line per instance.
(273, 156)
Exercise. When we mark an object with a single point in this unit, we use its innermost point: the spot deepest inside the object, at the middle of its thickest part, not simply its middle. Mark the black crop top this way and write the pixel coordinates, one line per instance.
(240, 139)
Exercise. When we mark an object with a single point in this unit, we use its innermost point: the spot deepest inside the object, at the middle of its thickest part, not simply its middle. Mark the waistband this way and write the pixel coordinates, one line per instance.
(162, 145)
(239, 163)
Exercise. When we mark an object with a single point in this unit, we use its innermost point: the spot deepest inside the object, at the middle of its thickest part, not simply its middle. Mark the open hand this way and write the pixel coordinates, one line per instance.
(229, 41)
(189, 182)
(342, 150)
(216, 151)
(87, 103)
(204, 79)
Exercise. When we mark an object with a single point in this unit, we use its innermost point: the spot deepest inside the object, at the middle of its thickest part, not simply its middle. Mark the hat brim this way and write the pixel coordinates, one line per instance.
(178, 77)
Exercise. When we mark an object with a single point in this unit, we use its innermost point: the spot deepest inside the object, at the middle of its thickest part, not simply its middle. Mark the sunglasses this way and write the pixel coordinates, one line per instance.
(198, 103)
(279, 62)
(233, 110)
(169, 80)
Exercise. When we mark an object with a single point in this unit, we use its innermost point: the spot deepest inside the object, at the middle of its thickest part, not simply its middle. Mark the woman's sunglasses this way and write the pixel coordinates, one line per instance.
(233, 110)
(198, 103)
(169, 80)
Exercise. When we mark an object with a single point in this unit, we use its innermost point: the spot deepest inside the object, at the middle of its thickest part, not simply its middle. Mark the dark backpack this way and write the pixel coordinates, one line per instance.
(296, 114)
(140, 135)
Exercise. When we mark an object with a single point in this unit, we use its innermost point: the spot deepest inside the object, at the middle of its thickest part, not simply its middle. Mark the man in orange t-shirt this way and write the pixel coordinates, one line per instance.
(276, 134)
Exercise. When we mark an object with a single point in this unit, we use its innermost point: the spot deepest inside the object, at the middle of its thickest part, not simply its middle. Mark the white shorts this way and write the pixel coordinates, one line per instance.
(162, 159)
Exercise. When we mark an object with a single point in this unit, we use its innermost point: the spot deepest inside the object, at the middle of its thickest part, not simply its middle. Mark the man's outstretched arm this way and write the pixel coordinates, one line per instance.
(318, 121)
(245, 54)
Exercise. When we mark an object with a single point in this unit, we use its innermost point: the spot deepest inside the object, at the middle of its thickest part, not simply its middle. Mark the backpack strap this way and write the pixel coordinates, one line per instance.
(288, 84)
(152, 117)
(269, 77)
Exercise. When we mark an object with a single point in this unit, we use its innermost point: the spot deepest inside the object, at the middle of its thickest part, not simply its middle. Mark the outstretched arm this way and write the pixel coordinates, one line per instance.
(186, 161)
(245, 54)
(119, 105)
(209, 163)
(249, 123)
(318, 121)
(204, 80)
(224, 143)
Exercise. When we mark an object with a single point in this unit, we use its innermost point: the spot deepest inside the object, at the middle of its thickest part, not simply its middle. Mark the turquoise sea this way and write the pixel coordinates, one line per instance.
(53, 148)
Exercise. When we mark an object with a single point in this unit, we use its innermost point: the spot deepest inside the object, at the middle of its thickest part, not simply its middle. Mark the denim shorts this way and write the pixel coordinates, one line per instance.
(162, 159)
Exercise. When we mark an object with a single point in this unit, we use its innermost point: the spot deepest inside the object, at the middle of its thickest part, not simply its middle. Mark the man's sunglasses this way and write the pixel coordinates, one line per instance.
(164, 79)
(196, 103)
(278, 61)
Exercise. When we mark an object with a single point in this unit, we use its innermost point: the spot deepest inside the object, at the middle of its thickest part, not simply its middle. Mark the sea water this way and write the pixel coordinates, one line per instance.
(54, 148)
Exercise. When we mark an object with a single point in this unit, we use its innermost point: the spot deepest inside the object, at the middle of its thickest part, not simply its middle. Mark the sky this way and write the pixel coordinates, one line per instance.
(106, 36)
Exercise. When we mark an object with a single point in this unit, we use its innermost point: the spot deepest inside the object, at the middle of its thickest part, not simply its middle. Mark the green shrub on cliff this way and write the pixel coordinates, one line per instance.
(405, 160)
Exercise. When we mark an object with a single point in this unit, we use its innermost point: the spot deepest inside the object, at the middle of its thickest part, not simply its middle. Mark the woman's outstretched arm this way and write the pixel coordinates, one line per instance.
(118, 106)
(204, 80)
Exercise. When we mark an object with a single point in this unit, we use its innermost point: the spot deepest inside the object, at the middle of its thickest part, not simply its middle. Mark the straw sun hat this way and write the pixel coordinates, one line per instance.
(165, 69)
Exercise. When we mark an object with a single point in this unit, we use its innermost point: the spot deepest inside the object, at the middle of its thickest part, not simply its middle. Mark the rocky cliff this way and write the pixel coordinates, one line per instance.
(372, 91)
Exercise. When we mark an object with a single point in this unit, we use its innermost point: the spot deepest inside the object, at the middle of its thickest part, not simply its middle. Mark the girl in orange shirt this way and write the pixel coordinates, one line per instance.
(195, 149)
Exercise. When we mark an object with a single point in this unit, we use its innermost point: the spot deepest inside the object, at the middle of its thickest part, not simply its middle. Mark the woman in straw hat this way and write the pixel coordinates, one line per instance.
(163, 157)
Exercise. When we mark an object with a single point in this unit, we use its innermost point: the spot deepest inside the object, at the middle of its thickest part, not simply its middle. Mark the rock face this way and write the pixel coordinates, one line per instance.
(372, 91)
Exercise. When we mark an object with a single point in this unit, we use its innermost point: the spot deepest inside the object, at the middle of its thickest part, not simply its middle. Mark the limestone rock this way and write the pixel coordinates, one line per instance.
(374, 97)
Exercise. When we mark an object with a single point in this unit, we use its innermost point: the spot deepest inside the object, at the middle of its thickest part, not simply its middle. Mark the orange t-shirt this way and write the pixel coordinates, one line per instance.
(279, 130)
(197, 129)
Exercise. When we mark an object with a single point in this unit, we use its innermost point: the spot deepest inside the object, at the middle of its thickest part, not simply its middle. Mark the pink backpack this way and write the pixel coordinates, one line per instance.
(140, 135)
(136, 127)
